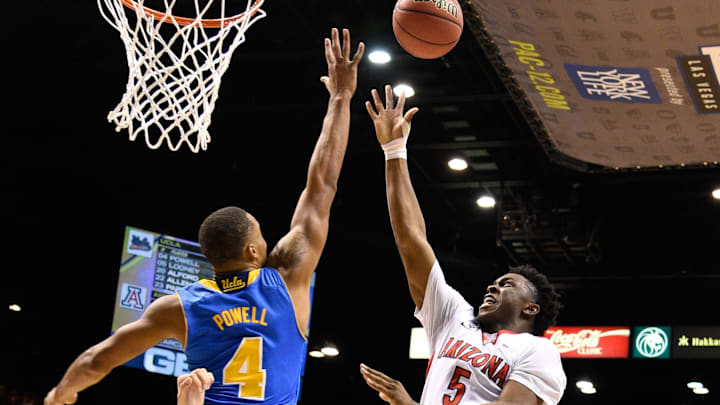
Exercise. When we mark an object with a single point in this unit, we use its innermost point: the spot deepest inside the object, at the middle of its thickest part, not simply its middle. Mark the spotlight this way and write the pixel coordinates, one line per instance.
(716, 194)
(330, 351)
(404, 88)
(701, 391)
(379, 57)
(583, 384)
(694, 384)
(588, 391)
(15, 308)
(317, 354)
(486, 202)
(458, 164)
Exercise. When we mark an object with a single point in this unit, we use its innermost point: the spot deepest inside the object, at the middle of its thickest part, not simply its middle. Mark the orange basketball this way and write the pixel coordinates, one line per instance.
(427, 29)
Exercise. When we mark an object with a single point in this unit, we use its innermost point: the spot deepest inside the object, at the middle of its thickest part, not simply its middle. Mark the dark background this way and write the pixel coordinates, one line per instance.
(625, 248)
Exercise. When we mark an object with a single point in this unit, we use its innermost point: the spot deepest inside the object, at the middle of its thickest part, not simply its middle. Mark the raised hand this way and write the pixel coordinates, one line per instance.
(390, 123)
(342, 71)
(390, 390)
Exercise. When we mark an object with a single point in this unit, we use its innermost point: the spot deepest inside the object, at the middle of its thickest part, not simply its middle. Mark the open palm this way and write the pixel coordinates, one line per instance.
(389, 389)
(342, 70)
(389, 121)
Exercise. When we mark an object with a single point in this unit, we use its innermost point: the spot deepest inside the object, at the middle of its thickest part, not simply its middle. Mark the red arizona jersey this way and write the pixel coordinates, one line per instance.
(468, 366)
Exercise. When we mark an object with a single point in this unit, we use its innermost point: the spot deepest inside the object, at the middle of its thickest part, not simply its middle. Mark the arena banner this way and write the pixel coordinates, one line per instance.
(651, 342)
(610, 84)
(696, 342)
(591, 341)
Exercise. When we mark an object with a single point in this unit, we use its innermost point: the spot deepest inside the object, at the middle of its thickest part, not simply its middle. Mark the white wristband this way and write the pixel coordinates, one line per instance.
(396, 149)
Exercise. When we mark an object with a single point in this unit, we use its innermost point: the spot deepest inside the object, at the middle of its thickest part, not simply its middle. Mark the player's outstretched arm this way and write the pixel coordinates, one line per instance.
(297, 254)
(191, 387)
(392, 129)
(393, 392)
(390, 390)
(163, 319)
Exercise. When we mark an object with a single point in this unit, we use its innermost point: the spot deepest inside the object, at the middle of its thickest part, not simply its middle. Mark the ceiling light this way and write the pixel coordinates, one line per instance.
(458, 164)
(589, 391)
(701, 391)
(404, 88)
(716, 194)
(486, 202)
(15, 308)
(583, 384)
(317, 354)
(379, 57)
(330, 351)
(694, 384)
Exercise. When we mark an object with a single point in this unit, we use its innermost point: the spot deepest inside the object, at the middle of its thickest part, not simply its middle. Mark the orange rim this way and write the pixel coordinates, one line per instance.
(207, 23)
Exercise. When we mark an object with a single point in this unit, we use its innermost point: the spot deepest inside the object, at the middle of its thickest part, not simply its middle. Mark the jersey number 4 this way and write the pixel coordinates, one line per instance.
(456, 385)
(245, 369)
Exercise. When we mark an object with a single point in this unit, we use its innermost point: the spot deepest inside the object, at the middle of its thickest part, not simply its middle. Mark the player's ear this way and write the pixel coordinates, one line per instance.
(250, 251)
(531, 309)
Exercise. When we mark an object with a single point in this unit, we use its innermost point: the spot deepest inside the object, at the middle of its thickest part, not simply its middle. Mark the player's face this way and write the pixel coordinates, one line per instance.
(505, 298)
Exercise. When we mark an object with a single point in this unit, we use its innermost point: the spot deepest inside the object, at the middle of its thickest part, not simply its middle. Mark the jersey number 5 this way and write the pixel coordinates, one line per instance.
(245, 369)
(456, 385)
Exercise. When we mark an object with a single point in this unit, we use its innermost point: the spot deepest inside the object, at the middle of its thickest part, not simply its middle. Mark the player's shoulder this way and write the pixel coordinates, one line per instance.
(534, 339)
(542, 343)
(198, 289)
(163, 306)
(530, 337)
(170, 300)
(272, 276)
(527, 341)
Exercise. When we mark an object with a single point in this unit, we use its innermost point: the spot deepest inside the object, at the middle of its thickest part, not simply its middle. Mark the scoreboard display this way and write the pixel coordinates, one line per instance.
(154, 265)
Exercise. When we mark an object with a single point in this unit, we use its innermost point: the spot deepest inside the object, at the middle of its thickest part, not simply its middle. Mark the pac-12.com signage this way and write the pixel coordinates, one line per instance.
(590, 341)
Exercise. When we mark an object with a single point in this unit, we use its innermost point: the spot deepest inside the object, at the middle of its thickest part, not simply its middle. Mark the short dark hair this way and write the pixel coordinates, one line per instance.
(223, 235)
(545, 296)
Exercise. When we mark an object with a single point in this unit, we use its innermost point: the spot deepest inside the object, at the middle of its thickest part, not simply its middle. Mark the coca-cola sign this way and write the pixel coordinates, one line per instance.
(591, 341)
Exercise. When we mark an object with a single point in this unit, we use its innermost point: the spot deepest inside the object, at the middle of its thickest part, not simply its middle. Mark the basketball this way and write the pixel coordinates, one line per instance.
(427, 29)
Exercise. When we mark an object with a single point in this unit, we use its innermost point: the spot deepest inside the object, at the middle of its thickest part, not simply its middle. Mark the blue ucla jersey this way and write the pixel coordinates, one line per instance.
(242, 328)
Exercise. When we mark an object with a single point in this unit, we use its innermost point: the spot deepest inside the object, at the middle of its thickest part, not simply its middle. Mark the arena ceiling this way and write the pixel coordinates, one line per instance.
(626, 247)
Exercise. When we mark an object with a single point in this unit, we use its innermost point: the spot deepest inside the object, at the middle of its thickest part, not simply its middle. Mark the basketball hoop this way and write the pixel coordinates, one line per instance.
(175, 68)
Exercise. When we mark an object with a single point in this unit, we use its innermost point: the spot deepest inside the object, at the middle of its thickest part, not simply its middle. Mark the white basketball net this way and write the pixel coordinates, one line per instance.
(174, 75)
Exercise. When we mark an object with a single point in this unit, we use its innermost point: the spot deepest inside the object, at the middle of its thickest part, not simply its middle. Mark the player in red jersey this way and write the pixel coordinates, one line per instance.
(495, 355)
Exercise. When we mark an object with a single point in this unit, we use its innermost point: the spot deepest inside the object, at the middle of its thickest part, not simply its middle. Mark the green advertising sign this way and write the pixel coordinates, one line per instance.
(651, 342)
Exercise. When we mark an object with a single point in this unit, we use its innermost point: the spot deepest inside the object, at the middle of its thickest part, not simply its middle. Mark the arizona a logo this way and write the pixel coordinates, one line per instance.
(133, 297)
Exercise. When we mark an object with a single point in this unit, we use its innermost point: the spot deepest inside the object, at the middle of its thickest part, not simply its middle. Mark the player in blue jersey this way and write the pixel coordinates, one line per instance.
(247, 327)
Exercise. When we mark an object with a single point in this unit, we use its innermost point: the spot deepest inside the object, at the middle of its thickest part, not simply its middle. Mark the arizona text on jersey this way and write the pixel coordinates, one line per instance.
(469, 366)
